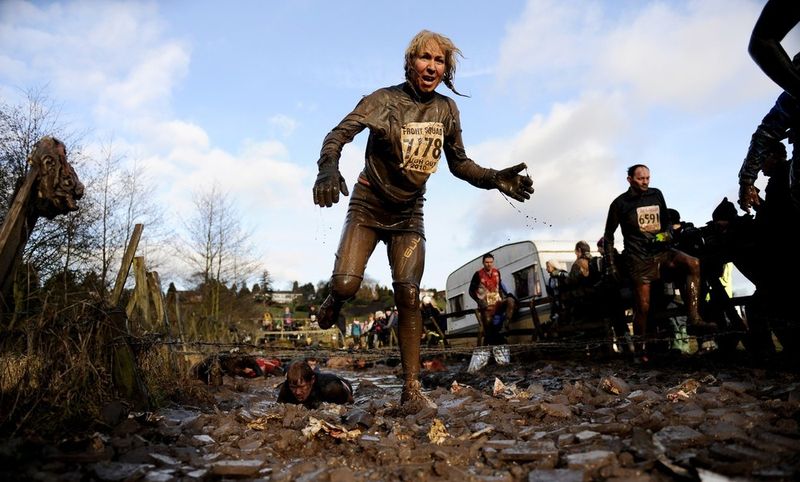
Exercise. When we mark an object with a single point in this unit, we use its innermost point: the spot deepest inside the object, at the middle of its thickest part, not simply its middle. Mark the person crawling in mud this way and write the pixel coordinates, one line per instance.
(410, 127)
(211, 369)
(270, 366)
(305, 386)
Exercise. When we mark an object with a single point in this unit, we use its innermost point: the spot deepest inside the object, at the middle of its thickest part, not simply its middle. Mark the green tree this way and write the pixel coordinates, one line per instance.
(266, 285)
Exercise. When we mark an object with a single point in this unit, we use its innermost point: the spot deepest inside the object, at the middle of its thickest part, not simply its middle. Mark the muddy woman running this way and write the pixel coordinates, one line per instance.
(410, 126)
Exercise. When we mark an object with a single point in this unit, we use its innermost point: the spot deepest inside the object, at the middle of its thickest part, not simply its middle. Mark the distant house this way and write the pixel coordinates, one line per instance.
(285, 297)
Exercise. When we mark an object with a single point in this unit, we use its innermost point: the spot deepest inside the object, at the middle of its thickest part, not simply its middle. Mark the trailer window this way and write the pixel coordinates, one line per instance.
(526, 282)
(456, 303)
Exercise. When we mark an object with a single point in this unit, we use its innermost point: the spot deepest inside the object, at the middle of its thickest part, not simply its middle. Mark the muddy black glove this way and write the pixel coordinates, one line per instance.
(748, 197)
(512, 184)
(328, 185)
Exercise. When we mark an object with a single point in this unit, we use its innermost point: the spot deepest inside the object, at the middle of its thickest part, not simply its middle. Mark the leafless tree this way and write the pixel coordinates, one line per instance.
(124, 196)
(218, 247)
(104, 189)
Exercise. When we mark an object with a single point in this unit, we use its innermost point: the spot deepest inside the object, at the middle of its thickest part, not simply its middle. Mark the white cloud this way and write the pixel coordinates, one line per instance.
(575, 169)
(169, 133)
(690, 55)
(282, 124)
(115, 54)
(693, 56)
(149, 83)
(550, 41)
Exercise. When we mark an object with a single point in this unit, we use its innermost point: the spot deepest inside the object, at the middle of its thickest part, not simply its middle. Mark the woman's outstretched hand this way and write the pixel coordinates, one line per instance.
(512, 184)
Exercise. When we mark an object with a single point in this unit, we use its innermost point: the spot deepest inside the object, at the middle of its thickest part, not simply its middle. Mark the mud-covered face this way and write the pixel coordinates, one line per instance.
(301, 389)
(640, 181)
(429, 67)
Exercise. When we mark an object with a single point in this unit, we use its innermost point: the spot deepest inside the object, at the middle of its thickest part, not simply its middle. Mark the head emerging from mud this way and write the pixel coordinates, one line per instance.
(59, 188)
(429, 60)
(300, 378)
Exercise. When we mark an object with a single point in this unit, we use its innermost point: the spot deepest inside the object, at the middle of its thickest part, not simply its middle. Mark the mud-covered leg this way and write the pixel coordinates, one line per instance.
(410, 322)
(407, 259)
(640, 313)
(692, 287)
(355, 247)
(343, 288)
(481, 339)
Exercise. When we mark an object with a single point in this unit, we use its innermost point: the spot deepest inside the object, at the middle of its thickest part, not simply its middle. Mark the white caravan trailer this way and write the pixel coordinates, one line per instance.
(522, 269)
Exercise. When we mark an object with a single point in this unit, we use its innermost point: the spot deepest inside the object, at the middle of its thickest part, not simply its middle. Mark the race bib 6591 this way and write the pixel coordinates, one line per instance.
(649, 219)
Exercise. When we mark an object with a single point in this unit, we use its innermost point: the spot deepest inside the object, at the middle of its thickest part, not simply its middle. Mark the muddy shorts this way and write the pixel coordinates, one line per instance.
(646, 270)
(370, 220)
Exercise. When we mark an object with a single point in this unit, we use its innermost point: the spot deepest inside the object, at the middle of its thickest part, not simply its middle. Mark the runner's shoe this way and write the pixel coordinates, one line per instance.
(328, 313)
(413, 400)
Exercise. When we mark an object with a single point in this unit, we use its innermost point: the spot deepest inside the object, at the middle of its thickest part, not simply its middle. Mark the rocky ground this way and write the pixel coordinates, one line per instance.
(693, 418)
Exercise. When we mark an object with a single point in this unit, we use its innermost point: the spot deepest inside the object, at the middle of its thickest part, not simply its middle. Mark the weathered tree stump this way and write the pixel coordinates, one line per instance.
(51, 188)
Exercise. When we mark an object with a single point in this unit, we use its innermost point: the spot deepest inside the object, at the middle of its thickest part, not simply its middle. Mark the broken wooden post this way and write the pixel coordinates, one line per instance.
(140, 298)
(125, 268)
(125, 374)
(157, 297)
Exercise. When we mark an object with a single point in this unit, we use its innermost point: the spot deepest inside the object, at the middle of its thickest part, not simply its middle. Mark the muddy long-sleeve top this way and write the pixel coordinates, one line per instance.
(407, 135)
(640, 216)
(781, 122)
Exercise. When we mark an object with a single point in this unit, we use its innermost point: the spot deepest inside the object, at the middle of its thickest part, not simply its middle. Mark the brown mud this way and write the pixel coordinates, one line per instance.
(682, 418)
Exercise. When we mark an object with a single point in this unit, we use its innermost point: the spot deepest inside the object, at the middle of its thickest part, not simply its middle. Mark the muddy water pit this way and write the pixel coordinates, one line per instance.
(686, 419)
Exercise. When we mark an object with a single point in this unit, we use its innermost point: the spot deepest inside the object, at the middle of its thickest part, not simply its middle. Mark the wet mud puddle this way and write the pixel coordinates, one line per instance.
(533, 420)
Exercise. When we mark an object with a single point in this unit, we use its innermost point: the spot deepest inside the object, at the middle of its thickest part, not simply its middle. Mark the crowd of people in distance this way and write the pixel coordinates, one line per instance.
(379, 329)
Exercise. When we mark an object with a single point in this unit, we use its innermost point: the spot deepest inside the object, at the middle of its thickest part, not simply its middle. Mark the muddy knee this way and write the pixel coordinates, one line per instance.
(344, 287)
(406, 296)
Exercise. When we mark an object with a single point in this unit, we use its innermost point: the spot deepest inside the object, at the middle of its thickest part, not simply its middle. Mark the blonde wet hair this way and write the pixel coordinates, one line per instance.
(451, 54)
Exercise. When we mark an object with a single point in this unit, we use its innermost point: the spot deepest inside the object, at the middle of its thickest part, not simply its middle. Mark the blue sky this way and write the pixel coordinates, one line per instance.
(242, 93)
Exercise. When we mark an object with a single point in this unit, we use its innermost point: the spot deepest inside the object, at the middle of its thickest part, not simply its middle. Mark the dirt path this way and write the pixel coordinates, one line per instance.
(690, 419)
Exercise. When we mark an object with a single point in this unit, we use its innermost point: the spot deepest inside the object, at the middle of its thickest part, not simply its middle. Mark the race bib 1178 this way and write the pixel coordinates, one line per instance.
(422, 146)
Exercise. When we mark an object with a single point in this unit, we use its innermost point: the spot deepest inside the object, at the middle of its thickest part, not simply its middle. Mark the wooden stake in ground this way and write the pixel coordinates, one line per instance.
(125, 375)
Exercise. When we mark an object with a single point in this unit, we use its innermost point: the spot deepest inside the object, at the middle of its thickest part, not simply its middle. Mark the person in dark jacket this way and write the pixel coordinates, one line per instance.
(782, 122)
(311, 388)
(641, 213)
(410, 127)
